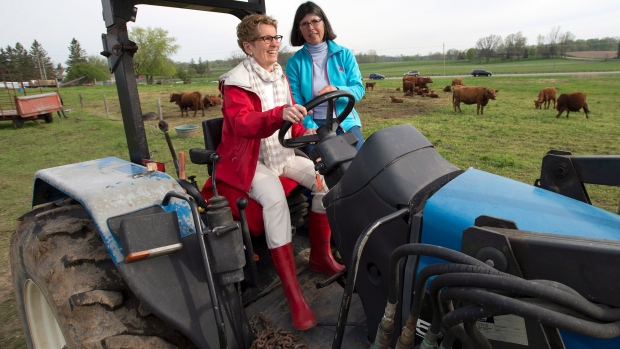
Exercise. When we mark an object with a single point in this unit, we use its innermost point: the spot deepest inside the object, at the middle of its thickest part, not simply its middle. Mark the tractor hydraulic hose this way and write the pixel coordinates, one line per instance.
(459, 333)
(559, 286)
(464, 335)
(407, 335)
(383, 338)
(448, 337)
(424, 250)
(530, 288)
(420, 285)
(526, 310)
(415, 249)
(352, 275)
(480, 341)
(440, 269)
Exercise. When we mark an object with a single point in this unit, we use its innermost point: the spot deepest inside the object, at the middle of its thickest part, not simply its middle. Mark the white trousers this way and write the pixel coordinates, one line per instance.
(267, 190)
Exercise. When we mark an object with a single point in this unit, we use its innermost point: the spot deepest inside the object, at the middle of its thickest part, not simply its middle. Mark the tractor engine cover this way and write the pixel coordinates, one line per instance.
(396, 167)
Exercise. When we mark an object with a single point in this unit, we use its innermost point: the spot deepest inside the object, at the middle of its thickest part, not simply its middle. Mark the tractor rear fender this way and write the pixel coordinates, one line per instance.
(111, 187)
(121, 196)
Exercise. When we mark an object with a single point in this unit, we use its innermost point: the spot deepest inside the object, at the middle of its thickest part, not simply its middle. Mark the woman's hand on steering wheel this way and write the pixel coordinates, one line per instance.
(329, 97)
(294, 113)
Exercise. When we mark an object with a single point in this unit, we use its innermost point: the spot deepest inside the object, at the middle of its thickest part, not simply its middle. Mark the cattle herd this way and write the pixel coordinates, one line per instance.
(418, 85)
(194, 101)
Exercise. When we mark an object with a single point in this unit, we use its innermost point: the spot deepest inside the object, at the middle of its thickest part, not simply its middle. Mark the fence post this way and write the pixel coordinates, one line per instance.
(159, 109)
(105, 104)
(81, 100)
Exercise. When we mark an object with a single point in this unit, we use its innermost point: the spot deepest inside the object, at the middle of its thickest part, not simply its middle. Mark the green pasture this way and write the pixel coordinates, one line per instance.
(438, 68)
(464, 67)
(509, 139)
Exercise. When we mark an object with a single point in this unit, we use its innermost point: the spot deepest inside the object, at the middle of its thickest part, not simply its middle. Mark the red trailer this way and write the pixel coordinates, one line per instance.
(28, 100)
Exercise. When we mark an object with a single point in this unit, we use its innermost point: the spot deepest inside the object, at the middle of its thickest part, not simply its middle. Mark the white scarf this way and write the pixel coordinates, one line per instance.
(275, 156)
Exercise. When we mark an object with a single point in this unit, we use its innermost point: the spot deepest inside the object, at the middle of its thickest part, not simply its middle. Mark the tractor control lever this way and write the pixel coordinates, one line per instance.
(163, 127)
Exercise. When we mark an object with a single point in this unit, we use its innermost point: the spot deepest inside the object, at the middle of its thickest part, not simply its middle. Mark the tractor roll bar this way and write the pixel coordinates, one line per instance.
(119, 51)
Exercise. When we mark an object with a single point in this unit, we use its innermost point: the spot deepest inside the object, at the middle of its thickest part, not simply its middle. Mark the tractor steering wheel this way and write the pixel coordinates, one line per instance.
(330, 124)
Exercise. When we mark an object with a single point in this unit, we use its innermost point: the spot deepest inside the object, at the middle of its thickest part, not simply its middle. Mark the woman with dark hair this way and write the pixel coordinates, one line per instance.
(256, 101)
(322, 66)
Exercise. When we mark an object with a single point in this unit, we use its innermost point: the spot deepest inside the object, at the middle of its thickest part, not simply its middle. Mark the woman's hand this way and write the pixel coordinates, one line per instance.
(294, 113)
(310, 131)
(326, 89)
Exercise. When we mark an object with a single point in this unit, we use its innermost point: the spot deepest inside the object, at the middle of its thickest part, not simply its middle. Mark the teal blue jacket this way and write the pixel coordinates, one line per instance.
(342, 72)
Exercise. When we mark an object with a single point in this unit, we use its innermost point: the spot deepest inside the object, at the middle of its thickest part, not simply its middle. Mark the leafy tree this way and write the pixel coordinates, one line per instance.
(181, 72)
(488, 46)
(514, 45)
(98, 61)
(22, 58)
(553, 39)
(542, 48)
(154, 49)
(44, 68)
(90, 72)
(565, 39)
(76, 54)
(191, 70)
(452, 54)
(202, 67)
(5, 58)
(471, 54)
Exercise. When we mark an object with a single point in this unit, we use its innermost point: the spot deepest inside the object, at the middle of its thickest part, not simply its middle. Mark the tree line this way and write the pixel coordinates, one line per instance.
(555, 44)
(18, 63)
(155, 47)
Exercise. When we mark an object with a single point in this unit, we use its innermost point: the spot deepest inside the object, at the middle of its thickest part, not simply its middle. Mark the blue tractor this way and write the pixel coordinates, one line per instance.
(116, 254)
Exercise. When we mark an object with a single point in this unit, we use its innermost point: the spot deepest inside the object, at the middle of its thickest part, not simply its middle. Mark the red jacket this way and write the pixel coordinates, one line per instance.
(243, 128)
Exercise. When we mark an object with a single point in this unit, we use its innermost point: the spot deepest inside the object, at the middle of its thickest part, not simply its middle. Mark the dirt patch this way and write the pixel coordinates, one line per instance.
(378, 104)
(593, 54)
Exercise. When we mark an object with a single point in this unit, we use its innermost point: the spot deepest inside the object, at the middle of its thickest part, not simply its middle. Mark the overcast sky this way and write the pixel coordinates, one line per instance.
(390, 27)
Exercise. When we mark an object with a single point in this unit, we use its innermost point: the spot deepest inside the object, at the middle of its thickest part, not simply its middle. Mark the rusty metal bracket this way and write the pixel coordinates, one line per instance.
(114, 50)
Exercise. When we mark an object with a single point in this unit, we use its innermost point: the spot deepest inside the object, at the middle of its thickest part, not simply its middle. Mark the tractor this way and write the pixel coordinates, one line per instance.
(119, 254)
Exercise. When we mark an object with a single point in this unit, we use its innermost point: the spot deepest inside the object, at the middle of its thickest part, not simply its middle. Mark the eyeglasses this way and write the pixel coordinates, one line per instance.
(314, 22)
(268, 38)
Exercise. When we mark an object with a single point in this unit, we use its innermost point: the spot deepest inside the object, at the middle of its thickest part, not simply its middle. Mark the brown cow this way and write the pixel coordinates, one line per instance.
(457, 81)
(572, 102)
(545, 96)
(188, 100)
(417, 80)
(408, 88)
(211, 101)
(447, 89)
(396, 100)
(370, 86)
(473, 95)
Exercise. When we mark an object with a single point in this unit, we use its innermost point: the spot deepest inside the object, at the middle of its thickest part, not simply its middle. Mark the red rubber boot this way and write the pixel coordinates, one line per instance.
(284, 261)
(321, 258)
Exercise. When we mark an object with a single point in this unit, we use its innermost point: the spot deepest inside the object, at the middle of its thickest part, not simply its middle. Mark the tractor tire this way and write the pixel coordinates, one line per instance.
(69, 292)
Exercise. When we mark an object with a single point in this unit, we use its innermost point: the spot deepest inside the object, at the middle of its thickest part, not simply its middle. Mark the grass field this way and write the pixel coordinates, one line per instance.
(437, 68)
(510, 139)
